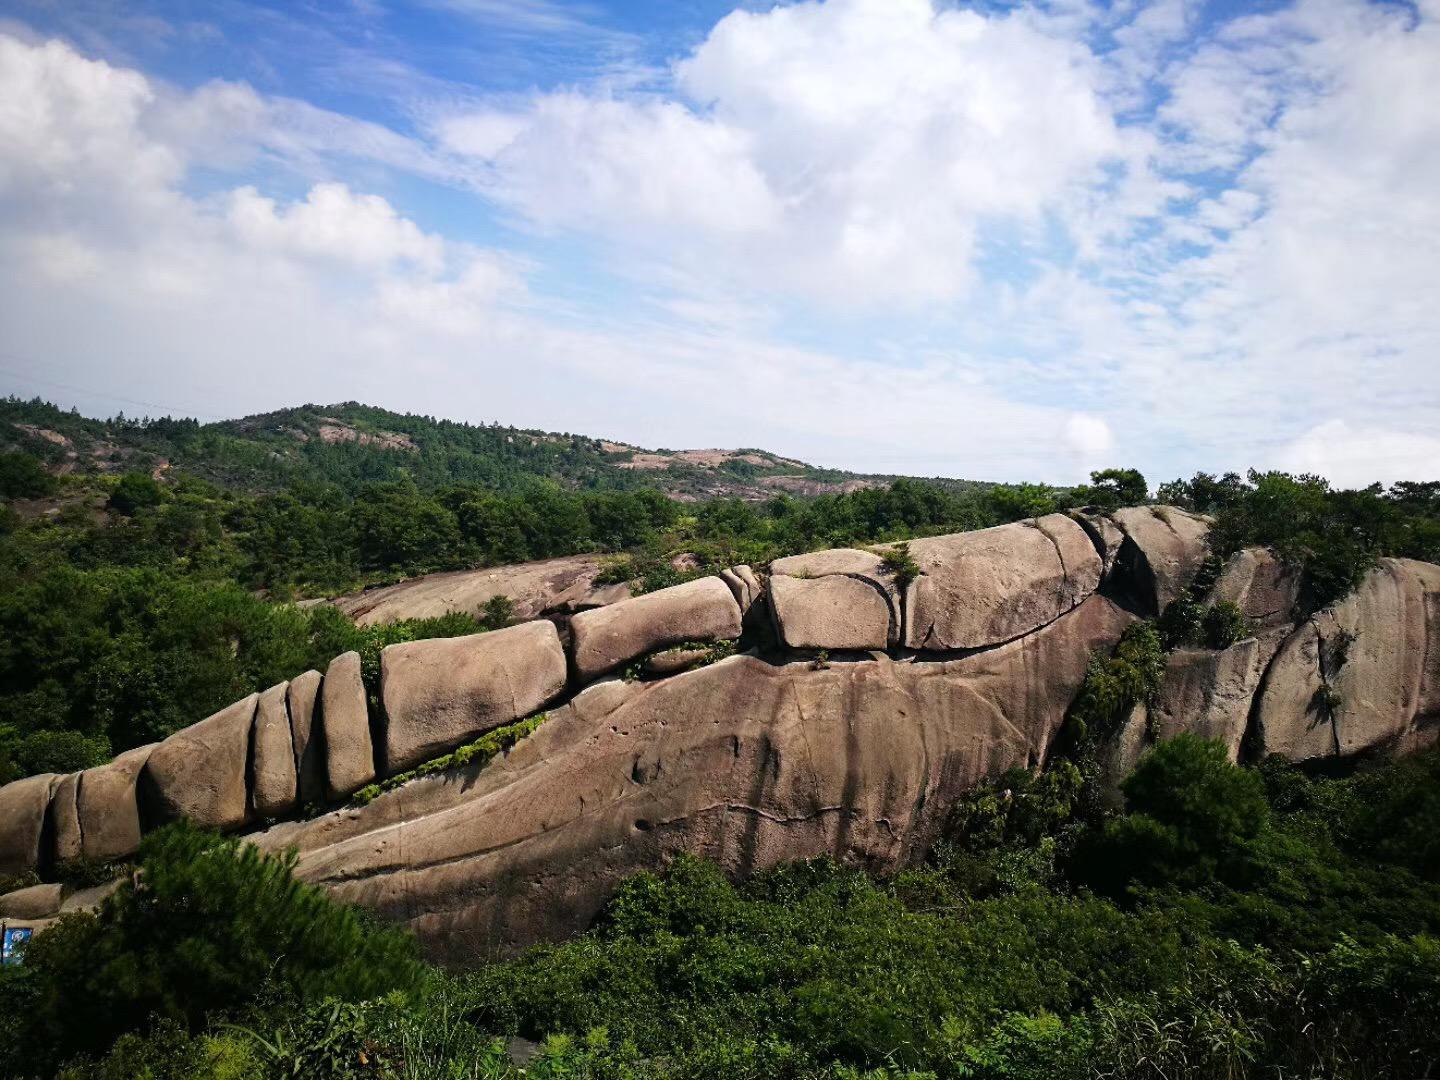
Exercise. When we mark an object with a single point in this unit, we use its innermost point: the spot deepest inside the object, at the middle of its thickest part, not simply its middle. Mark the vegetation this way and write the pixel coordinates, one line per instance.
(1224, 923)
(475, 753)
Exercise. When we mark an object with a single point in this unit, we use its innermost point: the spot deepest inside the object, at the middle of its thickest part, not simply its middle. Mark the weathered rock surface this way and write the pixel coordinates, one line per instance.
(23, 804)
(565, 585)
(982, 588)
(200, 771)
(443, 692)
(745, 585)
(1210, 692)
(1164, 549)
(672, 661)
(345, 728)
(64, 820)
(1104, 534)
(744, 762)
(109, 806)
(34, 902)
(606, 638)
(272, 780)
(819, 600)
(89, 899)
(1260, 585)
(305, 737)
(1362, 675)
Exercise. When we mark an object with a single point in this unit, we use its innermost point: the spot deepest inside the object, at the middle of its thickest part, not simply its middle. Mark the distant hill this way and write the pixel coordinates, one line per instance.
(352, 445)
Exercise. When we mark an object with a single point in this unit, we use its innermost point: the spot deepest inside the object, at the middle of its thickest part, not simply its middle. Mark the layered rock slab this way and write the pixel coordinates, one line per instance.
(273, 790)
(345, 728)
(108, 806)
(840, 599)
(1362, 675)
(443, 692)
(744, 762)
(23, 805)
(607, 637)
(1264, 589)
(982, 588)
(200, 771)
(1163, 550)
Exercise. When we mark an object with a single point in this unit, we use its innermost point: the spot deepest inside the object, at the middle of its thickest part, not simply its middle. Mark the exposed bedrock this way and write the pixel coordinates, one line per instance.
(609, 637)
(1362, 675)
(1163, 550)
(445, 691)
(982, 588)
(744, 762)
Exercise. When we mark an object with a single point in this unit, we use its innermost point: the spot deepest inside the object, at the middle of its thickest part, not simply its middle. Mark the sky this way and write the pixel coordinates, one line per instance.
(995, 241)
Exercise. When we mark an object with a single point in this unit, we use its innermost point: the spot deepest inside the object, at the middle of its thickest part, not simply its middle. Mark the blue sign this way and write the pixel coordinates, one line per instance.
(12, 943)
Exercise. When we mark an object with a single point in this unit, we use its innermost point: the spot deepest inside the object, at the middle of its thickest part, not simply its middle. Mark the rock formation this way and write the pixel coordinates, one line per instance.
(880, 706)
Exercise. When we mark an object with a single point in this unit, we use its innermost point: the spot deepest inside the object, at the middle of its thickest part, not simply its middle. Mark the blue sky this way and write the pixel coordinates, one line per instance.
(1002, 241)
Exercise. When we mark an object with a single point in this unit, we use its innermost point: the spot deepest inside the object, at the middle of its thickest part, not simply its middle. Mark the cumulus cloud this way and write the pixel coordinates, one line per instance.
(846, 151)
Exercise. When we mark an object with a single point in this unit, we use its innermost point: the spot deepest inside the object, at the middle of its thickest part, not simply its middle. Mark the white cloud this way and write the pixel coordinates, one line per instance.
(848, 151)
(1352, 456)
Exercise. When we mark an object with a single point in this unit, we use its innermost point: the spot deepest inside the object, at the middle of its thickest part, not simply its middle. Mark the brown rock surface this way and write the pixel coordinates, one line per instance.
(1163, 550)
(305, 737)
(23, 804)
(89, 899)
(35, 902)
(671, 661)
(1260, 585)
(64, 823)
(345, 728)
(1210, 692)
(982, 588)
(606, 638)
(1104, 534)
(272, 760)
(833, 612)
(109, 806)
(444, 692)
(565, 584)
(200, 771)
(1378, 652)
(744, 762)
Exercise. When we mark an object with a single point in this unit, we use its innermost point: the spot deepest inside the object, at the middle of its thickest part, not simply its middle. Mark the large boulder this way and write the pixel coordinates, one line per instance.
(305, 737)
(199, 772)
(744, 762)
(1210, 692)
(1164, 549)
(607, 637)
(443, 692)
(23, 804)
(843, 598)
(982, 588)
(109, 808)
(745, 584)
(34, 902)
(63, 825)
(834, 612)
(345, 728)
(273, 790)
(1362, 675)
(1260, 585)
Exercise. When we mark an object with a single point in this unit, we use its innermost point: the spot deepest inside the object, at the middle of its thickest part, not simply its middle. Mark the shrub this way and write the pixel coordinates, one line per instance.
(213, 922)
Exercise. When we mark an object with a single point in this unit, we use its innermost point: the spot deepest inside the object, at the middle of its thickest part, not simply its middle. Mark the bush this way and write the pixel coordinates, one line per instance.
(213, 923)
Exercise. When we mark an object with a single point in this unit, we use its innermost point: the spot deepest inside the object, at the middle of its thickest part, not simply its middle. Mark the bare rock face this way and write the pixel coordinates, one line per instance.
(1260, 585)
(1210, 692)
(745, 585)
(744, 762)
(1362, 675)
(345, 726)
(982, 588)
(90, 899)
(839, 599)
(272, 780)
(834, 612)
(673, 661)
(566, 584)
(443, 692)
(109, 807)
(23, 804)
(305, 742)
(200, 771)
(35, 902)
(1103, 533)
(606, 638)
(1164, 549)
(64, 820)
